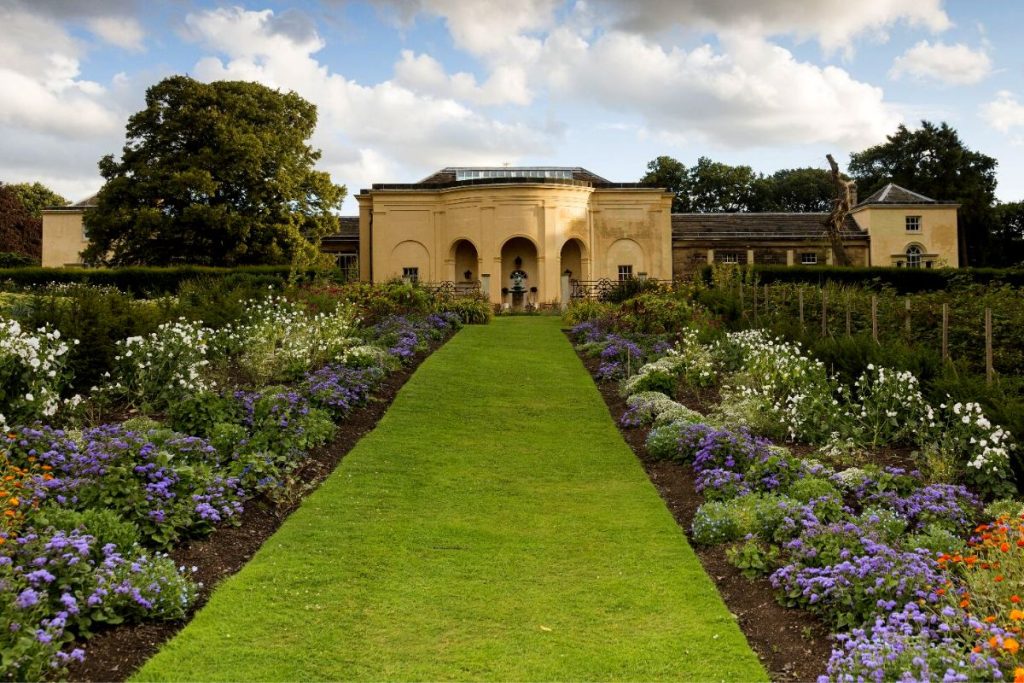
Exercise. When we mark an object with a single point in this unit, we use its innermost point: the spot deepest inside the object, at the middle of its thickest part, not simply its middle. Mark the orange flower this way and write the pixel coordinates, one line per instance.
(1018, 675)
(965, 602)
(9, 513)
(1011, 645)
(1015, 599)
(998, 578)
(990, 619)
(1004, 546)
(13, 502)
(1016, 614)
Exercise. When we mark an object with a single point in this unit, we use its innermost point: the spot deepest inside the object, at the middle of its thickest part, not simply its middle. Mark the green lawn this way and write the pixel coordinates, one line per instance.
(493, 526)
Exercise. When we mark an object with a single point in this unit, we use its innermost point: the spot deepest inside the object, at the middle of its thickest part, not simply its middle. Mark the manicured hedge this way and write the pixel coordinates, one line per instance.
(142, 280)
(903, 279)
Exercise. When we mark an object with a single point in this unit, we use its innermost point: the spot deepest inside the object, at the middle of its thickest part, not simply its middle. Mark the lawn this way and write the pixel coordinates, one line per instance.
(493, 526)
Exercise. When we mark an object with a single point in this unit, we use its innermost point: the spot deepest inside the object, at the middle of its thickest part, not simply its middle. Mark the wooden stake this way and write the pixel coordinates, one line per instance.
(906, 323)
(800, 296)
(945, 333)
(754, 288)
(849, 322)
(989, 370)
(743, 310)
(874, 318)
(824, 313)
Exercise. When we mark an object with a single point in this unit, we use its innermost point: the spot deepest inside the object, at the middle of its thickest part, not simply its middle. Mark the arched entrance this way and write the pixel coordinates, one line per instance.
(467, 262)
(572, 260)
(519, 272)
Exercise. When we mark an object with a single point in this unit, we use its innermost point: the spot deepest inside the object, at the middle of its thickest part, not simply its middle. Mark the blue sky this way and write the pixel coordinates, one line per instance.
(407, 86)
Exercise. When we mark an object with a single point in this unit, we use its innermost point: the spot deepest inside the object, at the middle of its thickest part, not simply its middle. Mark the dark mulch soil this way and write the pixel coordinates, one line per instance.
(116, 653)
(793, 645)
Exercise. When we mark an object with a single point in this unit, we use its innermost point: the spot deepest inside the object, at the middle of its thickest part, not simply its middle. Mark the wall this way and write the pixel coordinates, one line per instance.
(889, 236)
(542, 214)
(63, 239)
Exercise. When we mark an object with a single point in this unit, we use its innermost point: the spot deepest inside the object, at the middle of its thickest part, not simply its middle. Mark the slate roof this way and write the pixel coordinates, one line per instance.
(445, 178)
(757, 227)
(348, 230)
(894, 194)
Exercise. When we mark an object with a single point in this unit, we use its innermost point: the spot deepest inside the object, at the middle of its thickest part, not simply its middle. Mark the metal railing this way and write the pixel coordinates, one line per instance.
(449, 288)
(604, 288)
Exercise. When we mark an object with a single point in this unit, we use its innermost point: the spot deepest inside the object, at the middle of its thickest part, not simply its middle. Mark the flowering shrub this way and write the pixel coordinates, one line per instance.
(156, 370)
(663, 441)
(980, 448)
(57, 584)
(644, 407)
(32, 373)
(339, 389)
(889, 407)
(167, 483)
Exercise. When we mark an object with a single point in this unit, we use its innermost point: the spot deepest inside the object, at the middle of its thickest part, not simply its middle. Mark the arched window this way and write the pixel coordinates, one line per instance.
(913, 256)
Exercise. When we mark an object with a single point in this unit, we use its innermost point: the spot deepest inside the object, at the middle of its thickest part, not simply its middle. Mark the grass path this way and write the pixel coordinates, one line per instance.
(493, 526)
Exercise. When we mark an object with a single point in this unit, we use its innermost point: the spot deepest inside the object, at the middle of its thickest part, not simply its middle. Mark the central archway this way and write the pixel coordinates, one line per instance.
(571, 260)
(466, 260)
(519, 271)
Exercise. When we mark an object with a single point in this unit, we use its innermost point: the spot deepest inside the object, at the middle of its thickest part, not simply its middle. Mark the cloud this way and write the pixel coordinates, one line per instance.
(424, 74)
(749, 94)
(40, 90)
(1004, 113)
(833, 23)
(372, 127)
(124, 32)
(954, 64)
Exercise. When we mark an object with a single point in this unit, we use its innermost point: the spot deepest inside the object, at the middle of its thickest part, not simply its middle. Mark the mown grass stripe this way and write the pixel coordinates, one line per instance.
(493, 526)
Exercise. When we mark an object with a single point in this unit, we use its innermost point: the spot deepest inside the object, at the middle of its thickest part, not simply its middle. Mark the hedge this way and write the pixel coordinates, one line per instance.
(142, 280)
(904, 280)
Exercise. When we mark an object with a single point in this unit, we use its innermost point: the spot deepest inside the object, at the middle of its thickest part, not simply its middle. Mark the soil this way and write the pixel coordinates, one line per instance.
(792, 645)
(116, 653)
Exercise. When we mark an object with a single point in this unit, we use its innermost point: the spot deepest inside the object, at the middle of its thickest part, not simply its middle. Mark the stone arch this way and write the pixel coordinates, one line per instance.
(411, 254)
(466, 258)
(914, 251)
(526, 250)
(625, 252)
(572, 257)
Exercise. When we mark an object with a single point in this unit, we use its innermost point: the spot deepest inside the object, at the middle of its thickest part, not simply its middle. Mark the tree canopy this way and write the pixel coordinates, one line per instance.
(35, 197)
(933, 161)
(712, 186)
(214, 173)
(20, 231)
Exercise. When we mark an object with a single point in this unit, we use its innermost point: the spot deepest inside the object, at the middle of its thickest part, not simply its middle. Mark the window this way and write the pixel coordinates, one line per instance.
(809, 259)
(913, 224)
(411, 274)
(913, 256)
(349, 265)
(625, 273)
(730, 257)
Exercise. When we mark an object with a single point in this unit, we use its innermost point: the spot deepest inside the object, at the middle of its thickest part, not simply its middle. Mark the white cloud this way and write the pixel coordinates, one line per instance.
(362, 129)
(955, 64)
(751, 93)
(424, 74)
(124, 32)
(1004, 112)
(833, 23)
(40, 89)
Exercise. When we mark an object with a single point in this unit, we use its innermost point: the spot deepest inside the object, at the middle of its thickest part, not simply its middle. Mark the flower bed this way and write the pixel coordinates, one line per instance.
(224, 415)
(914, 576)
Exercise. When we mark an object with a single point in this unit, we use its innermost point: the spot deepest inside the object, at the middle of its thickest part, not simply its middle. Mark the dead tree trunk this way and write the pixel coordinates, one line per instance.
(841, 206)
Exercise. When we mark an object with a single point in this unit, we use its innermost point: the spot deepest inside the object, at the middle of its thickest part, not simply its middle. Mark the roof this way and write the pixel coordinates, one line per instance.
(86, 203)
(894, 194)
(758, 226)
(456, 176)
(348, 230)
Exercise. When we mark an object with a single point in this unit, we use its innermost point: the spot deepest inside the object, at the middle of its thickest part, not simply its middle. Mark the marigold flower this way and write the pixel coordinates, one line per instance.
(998, 578)
(1015, 599)
(1011, 645)
(990, 620)
(1018, 675)
(1005, 547)
(1016, 614)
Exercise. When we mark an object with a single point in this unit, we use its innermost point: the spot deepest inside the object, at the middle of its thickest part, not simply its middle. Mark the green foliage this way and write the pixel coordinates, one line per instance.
(754, 558)
(809, 488)
(198, 413)
(214, 173)
(723, 521)
(472, 310)
(105, 524)
(146, 281)
(21, 232)
(936, 539)
(582, 310)
(1007, 235)
(655, 312)
(672, 175)
(933, 161)
(35, 197)
(12, 260)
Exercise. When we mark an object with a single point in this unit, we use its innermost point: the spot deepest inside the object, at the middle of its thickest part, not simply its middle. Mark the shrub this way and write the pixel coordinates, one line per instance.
(724, 521)
(642, 408)
(471, 310)
(104, 525)
(583, 310)
(754, 558)
(32, 373)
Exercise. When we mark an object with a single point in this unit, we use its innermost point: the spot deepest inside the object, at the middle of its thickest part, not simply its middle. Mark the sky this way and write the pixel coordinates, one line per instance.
(405, 87)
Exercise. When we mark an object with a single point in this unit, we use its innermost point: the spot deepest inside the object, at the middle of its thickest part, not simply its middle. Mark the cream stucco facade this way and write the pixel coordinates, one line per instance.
(64, 236)
(934, 234)
(487, 232)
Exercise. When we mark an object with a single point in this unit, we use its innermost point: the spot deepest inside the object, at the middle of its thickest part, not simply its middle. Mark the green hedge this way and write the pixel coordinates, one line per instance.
(904, 280)
(142, 280)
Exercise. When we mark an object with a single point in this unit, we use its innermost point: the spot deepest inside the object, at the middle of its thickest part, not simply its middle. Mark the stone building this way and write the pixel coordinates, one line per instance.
(522, 234)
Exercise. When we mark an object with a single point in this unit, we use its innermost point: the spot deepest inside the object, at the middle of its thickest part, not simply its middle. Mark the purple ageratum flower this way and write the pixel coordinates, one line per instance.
(27, 598)
(945, 504)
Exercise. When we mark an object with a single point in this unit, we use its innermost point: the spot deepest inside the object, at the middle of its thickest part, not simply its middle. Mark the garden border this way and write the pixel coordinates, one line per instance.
(117, 653)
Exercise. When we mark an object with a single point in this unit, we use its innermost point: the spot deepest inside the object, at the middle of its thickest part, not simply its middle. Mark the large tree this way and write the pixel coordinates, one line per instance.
(36, 197)
(20, 231)
(715, 186)
(1007, 236)
(673, 176)
(934, 161)
(213, 173)
(799, 190)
